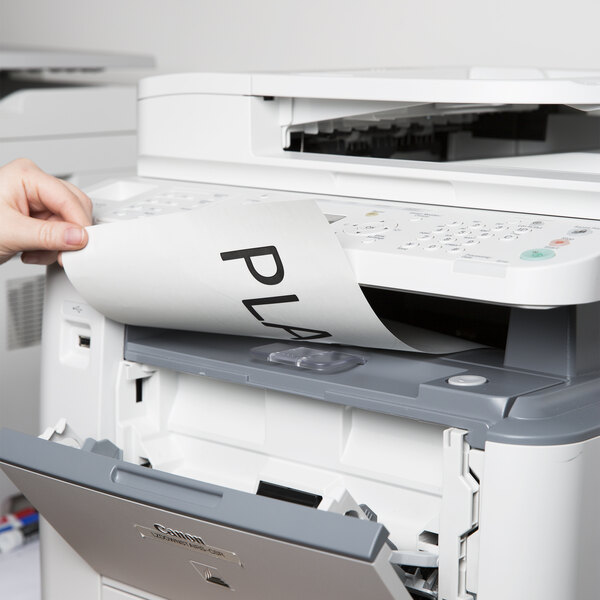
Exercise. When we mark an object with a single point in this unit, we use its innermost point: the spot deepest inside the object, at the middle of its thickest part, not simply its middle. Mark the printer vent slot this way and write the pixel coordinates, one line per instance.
(452, 133)
(287, 494)
(25, 300)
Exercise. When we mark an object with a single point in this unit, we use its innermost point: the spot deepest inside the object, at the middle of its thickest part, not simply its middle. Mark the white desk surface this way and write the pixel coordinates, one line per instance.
(20, 573)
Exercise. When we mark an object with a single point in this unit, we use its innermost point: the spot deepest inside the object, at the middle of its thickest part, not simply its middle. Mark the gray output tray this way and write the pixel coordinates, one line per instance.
(512, 406)
(181, 538)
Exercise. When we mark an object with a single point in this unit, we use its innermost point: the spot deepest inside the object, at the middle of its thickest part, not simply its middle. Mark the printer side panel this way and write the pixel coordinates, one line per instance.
(81, 350)
(539, 526)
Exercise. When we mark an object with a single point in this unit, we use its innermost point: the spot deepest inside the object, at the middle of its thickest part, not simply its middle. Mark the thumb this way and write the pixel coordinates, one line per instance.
(40, 234)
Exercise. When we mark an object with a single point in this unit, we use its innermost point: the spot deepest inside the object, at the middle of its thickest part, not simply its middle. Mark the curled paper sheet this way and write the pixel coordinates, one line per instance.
(272, 269)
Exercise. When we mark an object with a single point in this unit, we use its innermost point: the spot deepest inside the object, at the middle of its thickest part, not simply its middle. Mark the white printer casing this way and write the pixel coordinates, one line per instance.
(471, 475)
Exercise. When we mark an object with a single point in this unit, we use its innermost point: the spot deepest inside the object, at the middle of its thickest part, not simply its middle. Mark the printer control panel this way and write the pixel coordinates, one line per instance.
(508, 258)
(468, 233)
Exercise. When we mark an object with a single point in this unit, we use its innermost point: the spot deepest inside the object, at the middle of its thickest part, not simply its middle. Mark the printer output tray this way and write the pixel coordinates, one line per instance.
(180, 538)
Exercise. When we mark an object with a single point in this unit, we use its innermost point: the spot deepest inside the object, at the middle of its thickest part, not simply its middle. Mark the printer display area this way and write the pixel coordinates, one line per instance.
(192, 463)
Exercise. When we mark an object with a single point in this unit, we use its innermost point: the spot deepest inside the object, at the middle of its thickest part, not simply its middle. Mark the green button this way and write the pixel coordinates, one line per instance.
(538, 254)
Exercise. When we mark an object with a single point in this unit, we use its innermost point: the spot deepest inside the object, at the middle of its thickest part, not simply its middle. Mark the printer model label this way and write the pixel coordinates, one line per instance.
(161, 533)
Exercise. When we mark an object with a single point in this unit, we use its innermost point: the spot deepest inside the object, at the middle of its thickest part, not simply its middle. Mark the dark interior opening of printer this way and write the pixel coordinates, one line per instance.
(485, 324)
(11, 82)
(488, 132)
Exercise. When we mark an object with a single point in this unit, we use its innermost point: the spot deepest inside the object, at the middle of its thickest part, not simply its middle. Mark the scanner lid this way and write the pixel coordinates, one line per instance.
(479, 85)
(21, 58)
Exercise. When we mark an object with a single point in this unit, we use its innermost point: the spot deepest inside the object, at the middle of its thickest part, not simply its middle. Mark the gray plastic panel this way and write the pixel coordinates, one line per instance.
(298, 525)
(395, 383)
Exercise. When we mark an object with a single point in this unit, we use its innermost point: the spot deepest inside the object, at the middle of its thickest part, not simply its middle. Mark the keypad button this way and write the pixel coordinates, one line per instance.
(453, 223)
(454, 250)
(476, 225)
(486, 235)
(470, 242)
(432, 247)
(538, 254)
(509, 237)
(448, 240)
(424, 235)
(462, 232)
(409, 245)
(579, 231)
(367, 228)
(498, 227)
(522, 229)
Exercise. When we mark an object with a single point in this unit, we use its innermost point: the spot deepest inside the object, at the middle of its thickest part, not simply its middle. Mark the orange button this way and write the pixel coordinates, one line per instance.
(556, 243)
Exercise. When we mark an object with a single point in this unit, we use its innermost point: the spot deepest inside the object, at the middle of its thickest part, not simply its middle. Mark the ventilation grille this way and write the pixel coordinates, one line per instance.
(25, 301)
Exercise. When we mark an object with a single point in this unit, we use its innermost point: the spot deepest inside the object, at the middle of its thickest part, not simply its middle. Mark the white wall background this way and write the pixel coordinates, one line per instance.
(192, 35)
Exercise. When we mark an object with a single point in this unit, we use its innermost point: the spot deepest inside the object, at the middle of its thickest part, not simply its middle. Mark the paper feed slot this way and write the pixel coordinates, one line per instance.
(415, 387)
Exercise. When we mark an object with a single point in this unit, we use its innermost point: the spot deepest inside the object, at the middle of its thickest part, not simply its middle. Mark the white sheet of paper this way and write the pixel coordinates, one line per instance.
(201, 271)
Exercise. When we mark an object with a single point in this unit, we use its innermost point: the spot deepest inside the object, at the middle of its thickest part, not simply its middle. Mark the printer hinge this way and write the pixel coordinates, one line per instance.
(459, 518)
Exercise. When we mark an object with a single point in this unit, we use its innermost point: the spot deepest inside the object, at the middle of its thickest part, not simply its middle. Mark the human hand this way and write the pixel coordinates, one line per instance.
(40, 215)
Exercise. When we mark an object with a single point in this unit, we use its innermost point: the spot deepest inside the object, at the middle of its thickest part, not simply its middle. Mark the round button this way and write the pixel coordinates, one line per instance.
(467, 380)
(558, 243)
(579, 231)
(538, 254)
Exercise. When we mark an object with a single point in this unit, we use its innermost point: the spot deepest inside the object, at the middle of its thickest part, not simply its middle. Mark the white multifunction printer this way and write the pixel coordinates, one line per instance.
(468, 202)
(71, 129)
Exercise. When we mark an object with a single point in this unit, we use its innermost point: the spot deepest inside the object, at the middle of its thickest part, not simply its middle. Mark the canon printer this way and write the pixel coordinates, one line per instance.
(180, 464)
